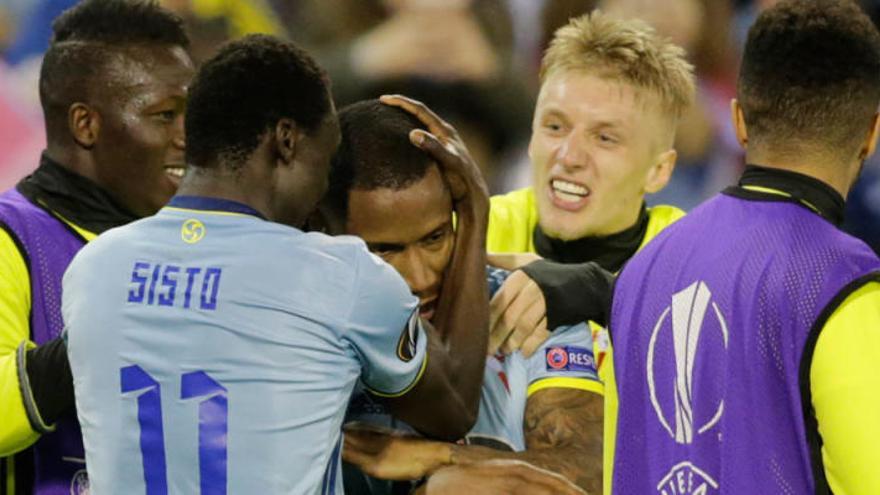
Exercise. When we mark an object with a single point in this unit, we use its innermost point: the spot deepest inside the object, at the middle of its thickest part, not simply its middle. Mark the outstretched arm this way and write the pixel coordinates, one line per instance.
(563, 431)
(493, 477)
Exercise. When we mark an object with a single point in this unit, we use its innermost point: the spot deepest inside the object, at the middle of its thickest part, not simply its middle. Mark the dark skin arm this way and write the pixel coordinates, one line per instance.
(494, 477)
(445, 402)
(563, 431)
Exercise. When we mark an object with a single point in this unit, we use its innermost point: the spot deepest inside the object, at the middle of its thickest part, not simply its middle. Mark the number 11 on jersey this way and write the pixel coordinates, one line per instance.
(213, 416)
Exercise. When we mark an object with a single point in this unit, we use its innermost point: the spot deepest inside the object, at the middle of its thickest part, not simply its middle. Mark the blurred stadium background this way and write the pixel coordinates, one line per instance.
(474, 61)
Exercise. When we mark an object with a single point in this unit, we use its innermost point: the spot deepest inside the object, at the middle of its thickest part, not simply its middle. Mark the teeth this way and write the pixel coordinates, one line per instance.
(175, 171)
(569, 189)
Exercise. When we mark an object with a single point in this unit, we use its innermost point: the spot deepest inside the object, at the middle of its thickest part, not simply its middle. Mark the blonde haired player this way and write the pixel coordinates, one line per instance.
(612, 92)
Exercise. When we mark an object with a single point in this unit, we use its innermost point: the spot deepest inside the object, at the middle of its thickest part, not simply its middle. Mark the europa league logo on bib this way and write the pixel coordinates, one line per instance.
(690, 334)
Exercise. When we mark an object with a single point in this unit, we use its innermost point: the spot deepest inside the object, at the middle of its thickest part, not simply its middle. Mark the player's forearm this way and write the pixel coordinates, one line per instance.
(462, 317)
(571, 462)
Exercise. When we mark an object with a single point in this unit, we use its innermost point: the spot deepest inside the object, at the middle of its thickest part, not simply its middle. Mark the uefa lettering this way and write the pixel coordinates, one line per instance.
(689, 334)
(569, 358)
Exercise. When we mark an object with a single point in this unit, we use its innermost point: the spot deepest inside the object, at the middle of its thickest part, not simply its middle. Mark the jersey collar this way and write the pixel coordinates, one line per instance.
(74, 198)
(206, 203)
(771, 183)
(610, 252)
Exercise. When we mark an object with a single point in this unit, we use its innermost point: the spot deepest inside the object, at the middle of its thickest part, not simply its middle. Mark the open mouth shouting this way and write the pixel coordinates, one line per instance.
(568, 195)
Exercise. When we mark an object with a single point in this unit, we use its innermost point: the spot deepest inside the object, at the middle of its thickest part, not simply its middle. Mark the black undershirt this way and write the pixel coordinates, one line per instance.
(74, 197)
(806, 191)
(609, 252)
(576, 276)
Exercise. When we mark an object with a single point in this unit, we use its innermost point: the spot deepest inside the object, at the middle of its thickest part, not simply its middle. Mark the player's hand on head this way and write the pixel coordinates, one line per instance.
(442, 141)
(390, 455)
(517, 316)
(510, 477)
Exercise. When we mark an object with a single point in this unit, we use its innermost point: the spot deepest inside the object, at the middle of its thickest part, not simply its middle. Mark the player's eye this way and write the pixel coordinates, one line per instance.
(606, 138)
(436, 238)
(384, 250)
(553, 126)
(166, 115)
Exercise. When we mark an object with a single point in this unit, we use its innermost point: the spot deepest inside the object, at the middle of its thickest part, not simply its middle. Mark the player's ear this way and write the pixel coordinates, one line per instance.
(84, 123)
(739, 123)
(870, 144)
(660, 173)
(287, 136)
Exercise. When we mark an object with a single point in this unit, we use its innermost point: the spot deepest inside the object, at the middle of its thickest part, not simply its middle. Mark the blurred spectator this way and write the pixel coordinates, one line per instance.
(863, 206)
(475, 61)
(34, 28)
(210, 23)
(21, 130)
(708, 156)
(457, 50)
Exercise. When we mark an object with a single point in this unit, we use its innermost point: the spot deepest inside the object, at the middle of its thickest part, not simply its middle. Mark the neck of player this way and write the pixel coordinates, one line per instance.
(838, 173)
(609, 251)
(239, 185)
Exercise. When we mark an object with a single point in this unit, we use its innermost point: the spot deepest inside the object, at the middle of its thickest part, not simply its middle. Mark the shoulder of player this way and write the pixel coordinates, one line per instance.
(517, 198)
(111, 239)
(659, 218)
(572, 335)
(664, 215)
(512, 205)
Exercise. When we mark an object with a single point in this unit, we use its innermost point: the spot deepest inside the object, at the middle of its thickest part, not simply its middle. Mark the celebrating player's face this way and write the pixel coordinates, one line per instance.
(140, 145)
(596, 149)
(411, 229)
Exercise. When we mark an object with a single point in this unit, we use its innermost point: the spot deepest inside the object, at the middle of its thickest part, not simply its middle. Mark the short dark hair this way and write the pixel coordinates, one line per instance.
(811, 74)
(86, 36)
(243, 91)
(375, 153)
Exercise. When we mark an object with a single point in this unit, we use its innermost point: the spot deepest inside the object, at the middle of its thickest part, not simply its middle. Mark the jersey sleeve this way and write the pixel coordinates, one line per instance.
(385, 330)
(15, 302)
(566, 360)
(844, 383)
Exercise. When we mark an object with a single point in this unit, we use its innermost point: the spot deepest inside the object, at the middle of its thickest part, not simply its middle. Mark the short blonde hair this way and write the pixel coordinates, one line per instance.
(625, 49)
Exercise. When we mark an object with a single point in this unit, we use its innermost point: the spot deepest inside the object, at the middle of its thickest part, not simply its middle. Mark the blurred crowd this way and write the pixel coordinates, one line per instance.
(474, 61)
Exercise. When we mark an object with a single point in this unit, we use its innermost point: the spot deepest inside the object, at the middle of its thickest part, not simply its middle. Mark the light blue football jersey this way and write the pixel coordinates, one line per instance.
(565, 360)
(215, 352)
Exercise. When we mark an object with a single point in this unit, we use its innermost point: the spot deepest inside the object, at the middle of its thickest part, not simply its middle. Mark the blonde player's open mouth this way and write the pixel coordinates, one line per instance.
(568, 195)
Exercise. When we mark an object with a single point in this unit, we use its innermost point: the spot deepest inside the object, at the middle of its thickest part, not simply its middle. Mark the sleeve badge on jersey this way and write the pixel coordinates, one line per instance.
(569, 358)
(409, 338)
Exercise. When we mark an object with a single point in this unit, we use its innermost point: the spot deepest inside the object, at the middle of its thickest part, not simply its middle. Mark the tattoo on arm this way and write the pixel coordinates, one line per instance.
(564, 427)
(563, 432)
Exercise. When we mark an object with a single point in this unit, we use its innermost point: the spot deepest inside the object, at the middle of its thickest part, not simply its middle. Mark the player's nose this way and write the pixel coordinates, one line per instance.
(573, 152)
(422, 280)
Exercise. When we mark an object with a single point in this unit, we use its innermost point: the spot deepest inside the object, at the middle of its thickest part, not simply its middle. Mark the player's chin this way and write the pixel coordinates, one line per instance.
(162, 194)
(566, 227)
